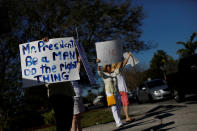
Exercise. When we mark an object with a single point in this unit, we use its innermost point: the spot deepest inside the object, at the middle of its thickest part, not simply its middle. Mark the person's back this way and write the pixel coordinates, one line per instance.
(64, 88)
(121, 83)
(108, 81)
(122, 86)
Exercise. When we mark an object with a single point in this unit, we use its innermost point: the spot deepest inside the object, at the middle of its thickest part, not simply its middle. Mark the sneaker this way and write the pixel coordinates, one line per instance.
(119, 125)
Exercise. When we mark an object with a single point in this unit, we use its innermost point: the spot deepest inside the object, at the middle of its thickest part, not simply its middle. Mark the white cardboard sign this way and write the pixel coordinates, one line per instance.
(48, 62)
(109, 52)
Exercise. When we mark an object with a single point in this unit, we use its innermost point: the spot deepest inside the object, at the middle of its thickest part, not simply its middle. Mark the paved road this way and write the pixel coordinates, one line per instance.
(160, 116)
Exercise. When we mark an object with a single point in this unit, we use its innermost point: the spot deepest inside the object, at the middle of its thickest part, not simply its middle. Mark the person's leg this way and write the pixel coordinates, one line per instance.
(115, 112)
(75, 111)
(116, 116)
(118, 103)
(68, 110)
(54, 100)
(63, 108)
(78, 108)
(78, 122)
(81, 110)
(125, 103)
(74, 123)
(125, 108)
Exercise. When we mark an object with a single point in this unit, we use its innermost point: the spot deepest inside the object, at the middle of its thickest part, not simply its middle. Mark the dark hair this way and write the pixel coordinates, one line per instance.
(105, 68)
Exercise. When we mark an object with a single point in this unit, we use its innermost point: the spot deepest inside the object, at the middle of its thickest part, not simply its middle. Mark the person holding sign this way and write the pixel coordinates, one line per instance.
(112, 93)
(61, 98)
(122, 87)
(78, 103)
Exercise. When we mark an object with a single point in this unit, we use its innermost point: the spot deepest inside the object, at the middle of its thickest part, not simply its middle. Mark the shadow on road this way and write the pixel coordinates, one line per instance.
(161, 109)
(136, 124)
(159, 127)
(158, 113)
(154, 128)
(191, 99)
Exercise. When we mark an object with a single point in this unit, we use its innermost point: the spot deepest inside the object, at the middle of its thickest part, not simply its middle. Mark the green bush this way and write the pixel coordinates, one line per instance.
(49, 117)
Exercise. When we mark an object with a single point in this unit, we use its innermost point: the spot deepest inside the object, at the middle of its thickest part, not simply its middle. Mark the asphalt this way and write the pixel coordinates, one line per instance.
(162, 116)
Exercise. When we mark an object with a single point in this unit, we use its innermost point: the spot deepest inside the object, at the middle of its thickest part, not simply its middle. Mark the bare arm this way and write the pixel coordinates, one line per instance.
(79, 63)
(100, 72)
(97, 61)
(119, 65)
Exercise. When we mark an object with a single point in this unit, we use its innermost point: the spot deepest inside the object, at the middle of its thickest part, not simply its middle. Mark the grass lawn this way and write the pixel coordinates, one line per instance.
(90, 118)
(53, 128)
(97, 116)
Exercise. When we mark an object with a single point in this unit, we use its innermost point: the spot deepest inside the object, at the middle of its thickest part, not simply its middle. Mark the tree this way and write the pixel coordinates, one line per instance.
(96, 21)
(189, 47)
(10, 92)
(31, 20)
(161, 65)
(134, 76)
(171, 65)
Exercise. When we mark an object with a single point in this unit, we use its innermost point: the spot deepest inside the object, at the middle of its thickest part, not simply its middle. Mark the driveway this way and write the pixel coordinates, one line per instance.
(162, 116)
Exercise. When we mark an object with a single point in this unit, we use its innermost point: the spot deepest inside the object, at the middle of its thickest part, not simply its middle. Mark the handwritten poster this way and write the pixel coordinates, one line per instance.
(48, 62)
(109, 52)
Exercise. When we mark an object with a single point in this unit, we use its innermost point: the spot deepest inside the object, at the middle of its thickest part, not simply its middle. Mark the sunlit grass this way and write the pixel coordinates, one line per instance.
(90, 118)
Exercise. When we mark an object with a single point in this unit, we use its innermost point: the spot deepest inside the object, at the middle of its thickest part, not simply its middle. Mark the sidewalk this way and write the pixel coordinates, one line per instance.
(137, 111)
(153, 117)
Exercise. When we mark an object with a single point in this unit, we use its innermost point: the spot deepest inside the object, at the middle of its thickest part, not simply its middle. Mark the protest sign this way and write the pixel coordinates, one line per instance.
(48, 62)
(109, 52)
(86, 64)
(132, 60)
